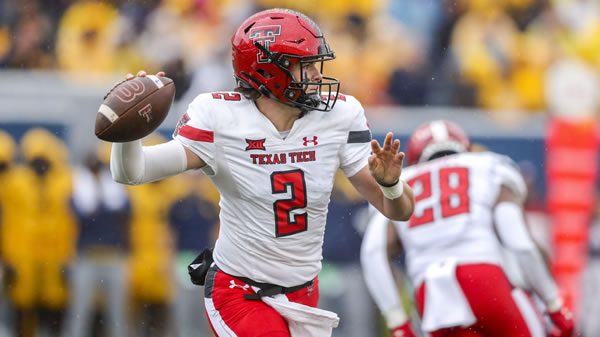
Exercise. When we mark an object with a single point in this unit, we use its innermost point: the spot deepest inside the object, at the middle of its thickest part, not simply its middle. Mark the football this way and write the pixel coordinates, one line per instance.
(134, 108)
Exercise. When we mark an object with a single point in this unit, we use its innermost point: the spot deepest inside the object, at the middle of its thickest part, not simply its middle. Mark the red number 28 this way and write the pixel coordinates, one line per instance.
(454, 194)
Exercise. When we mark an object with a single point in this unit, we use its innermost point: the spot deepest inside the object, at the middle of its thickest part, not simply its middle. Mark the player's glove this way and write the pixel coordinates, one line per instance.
(562, 319)
(403, 330)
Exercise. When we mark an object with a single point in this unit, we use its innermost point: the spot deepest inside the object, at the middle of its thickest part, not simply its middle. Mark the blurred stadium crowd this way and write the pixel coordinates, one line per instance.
(492, 54)
(81, 253)
(72, 240)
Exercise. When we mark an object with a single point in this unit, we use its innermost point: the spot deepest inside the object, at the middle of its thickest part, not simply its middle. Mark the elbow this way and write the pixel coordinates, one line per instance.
(405, 216)
(404, 213)
(121, 178)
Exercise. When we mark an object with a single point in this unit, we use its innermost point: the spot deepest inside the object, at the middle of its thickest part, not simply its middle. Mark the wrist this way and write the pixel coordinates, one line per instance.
(554, 305)
(394, 191)
(395, 318)
(386, 184)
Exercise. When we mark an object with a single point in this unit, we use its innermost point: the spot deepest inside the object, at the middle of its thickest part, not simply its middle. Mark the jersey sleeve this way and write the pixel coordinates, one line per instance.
(196, 132)
(507, 174)
(354, 154)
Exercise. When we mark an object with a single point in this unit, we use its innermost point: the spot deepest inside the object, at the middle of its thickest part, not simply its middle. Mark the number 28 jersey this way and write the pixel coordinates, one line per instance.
(274, 190)
(454, 200)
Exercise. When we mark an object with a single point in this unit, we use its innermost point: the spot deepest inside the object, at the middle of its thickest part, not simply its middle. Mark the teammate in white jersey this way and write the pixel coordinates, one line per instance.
(272, 148)
(468, 210)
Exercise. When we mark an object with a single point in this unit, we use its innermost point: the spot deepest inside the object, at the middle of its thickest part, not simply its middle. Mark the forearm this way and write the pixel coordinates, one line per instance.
(397, 205)
(510, 223)
(378, 274)
(134, 164)
(400, 208)
(538, 278)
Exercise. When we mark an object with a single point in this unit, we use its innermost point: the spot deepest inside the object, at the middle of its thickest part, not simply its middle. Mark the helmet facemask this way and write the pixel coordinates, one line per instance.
(297, 93)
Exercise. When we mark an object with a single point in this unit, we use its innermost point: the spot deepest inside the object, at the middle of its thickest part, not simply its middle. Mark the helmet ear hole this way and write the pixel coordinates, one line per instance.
(264, 73)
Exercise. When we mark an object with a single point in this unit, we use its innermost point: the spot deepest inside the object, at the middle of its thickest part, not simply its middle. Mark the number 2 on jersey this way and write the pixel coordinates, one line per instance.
(454, 194)
(287, 223)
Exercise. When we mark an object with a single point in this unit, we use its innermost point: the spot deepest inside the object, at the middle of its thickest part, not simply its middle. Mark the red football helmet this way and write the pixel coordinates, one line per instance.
(269, 44)
(436, 137)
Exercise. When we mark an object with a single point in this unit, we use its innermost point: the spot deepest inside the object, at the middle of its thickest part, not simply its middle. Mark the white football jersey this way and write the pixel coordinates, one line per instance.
(274, 189)
(455, 196)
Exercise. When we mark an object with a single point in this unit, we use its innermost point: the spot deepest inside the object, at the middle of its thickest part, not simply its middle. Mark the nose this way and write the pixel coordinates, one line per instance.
(313, 73)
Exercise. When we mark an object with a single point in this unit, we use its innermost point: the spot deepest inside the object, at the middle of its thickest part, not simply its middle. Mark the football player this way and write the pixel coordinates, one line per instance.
(469, 207)
(272, 148)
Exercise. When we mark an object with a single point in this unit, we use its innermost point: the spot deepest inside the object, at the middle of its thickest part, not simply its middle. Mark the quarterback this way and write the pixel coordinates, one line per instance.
(272, 148)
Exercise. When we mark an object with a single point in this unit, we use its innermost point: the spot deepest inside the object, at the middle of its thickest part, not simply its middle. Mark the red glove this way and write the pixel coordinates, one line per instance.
(562, 319)
(403, 330)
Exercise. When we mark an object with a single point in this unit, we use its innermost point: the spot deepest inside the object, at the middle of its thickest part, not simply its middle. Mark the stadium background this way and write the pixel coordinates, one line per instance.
(521, 76)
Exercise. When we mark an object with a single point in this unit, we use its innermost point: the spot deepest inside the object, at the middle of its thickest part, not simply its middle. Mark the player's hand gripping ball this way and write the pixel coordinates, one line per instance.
(134, 108)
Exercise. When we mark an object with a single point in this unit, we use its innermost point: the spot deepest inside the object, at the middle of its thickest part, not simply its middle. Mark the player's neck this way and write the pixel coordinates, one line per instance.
(282, 116)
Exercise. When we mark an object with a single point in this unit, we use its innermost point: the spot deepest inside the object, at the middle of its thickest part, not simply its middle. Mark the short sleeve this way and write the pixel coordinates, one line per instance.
(509, 175)
(354, 154)
(195, 131)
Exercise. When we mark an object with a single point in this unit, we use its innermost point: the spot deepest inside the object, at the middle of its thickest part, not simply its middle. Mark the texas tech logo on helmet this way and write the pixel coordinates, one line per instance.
(265, 35)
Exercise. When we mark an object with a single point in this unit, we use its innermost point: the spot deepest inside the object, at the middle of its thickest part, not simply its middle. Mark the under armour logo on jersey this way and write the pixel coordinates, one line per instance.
(255, 144)
(232, 285)
(312, 141)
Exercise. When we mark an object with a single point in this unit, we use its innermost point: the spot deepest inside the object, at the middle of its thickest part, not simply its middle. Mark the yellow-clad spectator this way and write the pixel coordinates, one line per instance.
(152, 252)
(8, 206)
(184, 31)
(5, 42)
(554, 34)
(39, 246)
(527, 79)
(575, 27)
(485, 44)
(91, 38)
(12, 203)
(360, 45)
(12, 207)
(329, 10)
(86, 36)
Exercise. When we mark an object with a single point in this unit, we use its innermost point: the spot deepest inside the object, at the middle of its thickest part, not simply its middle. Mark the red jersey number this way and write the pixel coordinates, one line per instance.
(454, 194)
(228, 96)
(285, 222)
